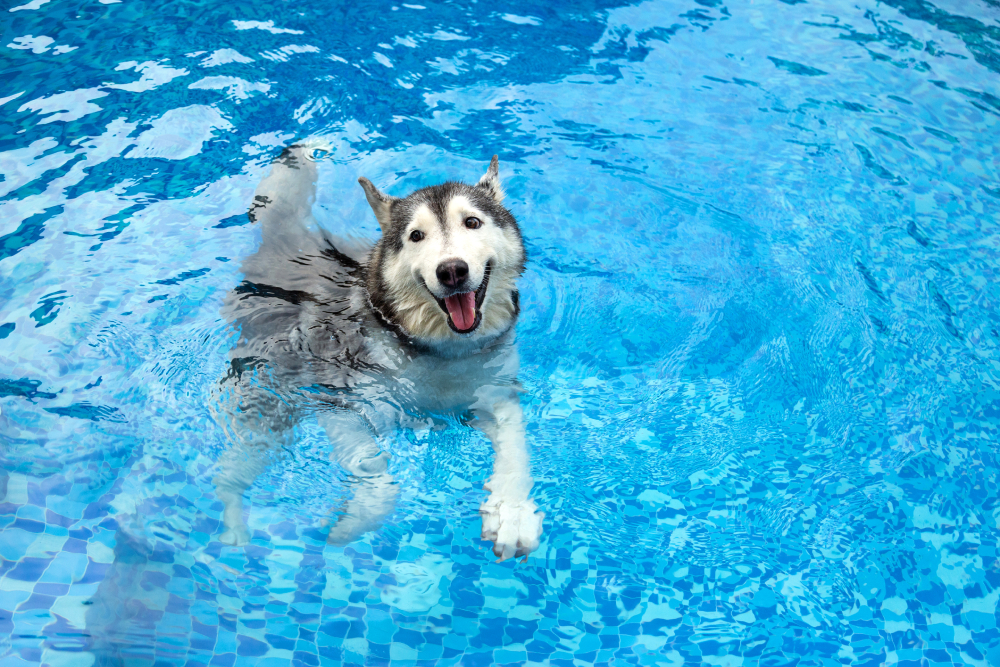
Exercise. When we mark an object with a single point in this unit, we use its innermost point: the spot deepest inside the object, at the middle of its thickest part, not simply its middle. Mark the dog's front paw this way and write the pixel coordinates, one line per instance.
(237, 536)
(346, 529)
(513, 527)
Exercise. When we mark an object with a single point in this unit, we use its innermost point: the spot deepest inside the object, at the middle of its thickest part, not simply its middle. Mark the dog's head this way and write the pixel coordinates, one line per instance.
(445, 268)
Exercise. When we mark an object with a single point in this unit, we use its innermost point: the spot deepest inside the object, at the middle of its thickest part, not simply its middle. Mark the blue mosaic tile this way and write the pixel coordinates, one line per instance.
(758, 333)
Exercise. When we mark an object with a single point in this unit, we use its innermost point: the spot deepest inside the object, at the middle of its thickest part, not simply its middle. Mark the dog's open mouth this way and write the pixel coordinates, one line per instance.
(463, 311)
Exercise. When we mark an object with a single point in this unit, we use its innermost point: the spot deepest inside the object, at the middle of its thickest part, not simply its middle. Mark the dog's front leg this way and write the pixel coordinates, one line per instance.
(238, 467)
(357, 451)
(509, 517)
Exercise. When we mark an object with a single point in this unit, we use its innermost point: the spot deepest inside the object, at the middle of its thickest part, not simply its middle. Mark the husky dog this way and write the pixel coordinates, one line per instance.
(367, 339)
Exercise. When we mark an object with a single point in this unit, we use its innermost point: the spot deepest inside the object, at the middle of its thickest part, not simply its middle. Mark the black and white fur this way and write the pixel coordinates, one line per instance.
(361, 339)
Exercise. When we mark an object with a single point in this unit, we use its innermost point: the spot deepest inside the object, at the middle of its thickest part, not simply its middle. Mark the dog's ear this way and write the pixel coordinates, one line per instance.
(491, 181)
(379, 201)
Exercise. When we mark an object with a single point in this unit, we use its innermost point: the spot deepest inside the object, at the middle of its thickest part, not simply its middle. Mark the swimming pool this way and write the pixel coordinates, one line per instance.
(759, 331)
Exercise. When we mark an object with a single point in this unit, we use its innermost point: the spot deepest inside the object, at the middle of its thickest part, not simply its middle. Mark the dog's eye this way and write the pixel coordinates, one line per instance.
(416, 235)
(473, 223)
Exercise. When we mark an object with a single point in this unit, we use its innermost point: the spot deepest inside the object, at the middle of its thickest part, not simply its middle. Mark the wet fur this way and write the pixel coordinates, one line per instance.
(354, 337)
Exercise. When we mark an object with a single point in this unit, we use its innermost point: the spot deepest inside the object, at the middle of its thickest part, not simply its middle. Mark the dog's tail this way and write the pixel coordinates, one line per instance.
(282, 202)
(314, 148)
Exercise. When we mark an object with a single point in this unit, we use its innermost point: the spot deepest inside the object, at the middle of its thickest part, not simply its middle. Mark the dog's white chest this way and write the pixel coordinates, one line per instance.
(431, 382)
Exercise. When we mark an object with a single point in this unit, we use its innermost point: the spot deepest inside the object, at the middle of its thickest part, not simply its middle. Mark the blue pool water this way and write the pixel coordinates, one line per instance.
(760, 338)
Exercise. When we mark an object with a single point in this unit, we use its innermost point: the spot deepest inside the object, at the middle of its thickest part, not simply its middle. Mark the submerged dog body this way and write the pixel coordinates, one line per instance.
(368, 339)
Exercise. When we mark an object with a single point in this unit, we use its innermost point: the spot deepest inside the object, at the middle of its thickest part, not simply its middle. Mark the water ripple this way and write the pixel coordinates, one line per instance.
(759, 336)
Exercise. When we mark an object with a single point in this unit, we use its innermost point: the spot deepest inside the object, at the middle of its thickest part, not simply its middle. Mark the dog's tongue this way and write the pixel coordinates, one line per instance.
(462, 308)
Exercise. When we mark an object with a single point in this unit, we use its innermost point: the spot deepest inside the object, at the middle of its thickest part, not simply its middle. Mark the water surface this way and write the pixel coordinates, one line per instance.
(759, 332)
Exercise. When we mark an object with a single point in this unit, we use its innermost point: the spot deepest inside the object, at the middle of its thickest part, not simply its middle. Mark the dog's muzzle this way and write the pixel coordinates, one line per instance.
(463, 310)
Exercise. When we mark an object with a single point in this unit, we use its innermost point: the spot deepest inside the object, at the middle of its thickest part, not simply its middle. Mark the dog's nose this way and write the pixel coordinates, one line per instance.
(453, 273)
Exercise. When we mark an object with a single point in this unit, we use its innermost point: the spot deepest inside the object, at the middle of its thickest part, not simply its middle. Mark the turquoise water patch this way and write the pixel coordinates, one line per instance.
(759, 337)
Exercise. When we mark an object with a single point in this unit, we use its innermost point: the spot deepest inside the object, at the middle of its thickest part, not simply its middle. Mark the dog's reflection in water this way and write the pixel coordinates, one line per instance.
(367, 337)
